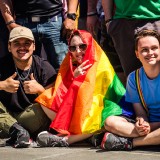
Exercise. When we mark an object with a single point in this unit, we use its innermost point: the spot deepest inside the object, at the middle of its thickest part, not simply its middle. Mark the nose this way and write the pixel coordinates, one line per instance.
(77, 49)
(22, 46)
(150, 52)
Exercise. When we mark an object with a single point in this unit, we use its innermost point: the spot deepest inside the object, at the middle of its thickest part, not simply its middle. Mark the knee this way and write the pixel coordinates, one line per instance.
(109, 122)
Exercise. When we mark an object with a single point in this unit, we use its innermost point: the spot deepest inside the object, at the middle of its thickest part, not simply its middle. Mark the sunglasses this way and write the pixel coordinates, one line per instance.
(82, 47)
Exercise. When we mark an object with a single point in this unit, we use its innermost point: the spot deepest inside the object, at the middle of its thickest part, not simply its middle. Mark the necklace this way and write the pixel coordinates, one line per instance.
(21, 77)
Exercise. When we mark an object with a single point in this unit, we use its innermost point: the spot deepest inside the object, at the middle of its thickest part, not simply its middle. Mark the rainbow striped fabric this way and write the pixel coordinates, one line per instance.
(82, 104)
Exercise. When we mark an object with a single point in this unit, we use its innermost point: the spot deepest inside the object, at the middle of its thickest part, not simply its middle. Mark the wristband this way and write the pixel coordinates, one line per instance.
(91, 13)
(12, 21)
(108, 20)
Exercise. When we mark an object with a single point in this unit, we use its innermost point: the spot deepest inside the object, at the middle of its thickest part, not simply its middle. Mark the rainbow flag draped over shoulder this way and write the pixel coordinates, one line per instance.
(82, 104)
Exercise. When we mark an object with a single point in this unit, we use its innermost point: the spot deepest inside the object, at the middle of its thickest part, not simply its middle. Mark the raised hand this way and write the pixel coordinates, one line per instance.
(68, 26)
(32, 86)
(10, 84)
(81, 69)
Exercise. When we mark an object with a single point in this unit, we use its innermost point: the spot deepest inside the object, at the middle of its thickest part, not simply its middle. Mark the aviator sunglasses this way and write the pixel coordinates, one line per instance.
(82, 47)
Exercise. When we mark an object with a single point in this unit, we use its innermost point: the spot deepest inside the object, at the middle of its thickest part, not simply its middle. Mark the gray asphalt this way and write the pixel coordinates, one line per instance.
(78, 152)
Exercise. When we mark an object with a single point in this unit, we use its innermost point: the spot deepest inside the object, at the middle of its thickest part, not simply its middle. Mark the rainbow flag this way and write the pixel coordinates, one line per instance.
(82, 104)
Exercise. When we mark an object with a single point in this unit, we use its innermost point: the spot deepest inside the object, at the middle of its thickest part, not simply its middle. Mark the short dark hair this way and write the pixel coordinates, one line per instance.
(145, 33)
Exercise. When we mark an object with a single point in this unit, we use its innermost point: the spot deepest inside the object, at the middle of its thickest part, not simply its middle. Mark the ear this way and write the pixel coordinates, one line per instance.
(34, 47)
(9, 47)
(137, 54)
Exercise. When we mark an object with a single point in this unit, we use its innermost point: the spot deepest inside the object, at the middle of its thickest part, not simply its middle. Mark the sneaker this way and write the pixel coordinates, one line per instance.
(46, 139)
(113, 142)
(96, 139)
(19, 137)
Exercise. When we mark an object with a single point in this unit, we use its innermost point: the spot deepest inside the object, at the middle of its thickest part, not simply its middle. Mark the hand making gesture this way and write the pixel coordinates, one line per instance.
(10, 84)
(81, 69)
(32, 86)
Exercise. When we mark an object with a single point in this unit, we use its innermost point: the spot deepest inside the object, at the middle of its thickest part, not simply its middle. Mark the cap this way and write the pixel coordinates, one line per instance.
(20, 32)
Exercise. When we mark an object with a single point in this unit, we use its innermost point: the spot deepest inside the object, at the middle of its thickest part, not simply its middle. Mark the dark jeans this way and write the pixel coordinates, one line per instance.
(48, 33)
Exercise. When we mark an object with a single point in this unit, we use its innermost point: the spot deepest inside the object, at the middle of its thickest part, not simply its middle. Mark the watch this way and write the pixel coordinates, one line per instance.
(72, 16)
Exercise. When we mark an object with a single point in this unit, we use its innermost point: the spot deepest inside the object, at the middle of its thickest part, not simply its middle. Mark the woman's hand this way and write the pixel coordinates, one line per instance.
(81, 69)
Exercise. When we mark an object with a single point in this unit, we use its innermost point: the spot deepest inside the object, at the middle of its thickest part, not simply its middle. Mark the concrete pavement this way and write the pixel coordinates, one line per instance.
(81, 152)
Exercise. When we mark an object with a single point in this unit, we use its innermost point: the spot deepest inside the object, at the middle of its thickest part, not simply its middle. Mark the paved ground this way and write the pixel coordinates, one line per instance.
(77, 153)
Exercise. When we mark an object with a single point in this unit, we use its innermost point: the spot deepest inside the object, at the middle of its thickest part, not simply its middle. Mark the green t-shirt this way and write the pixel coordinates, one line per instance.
(138, 9)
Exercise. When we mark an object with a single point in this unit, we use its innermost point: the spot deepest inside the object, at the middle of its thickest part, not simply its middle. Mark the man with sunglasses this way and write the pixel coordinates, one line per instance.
(23, 76)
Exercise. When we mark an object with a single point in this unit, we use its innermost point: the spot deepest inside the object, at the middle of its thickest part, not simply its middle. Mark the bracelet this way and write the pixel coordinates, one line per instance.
(12, 21)
(91, 13)
(108, 20)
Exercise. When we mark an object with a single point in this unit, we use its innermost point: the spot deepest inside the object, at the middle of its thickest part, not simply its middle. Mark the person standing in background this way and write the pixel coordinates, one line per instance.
(96, 26)
(45, 19)
(129, 17)
(3, 37)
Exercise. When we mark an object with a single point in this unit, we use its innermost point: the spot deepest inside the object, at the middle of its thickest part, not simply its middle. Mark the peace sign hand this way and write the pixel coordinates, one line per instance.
(81, 69)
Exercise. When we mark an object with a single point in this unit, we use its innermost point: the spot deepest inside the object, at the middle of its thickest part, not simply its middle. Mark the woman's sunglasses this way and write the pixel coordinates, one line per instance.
(82, 47)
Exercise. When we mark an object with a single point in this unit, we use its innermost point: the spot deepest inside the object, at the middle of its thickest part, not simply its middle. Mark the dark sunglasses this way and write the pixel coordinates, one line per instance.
(82, 47)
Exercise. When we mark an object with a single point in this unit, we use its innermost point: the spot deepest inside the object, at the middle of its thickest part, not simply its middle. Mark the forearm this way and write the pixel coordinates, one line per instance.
(92, 5)
(108, 8)
(7, 10)
(42, 89)
(72, 6)
(7, 13)
(154, 125)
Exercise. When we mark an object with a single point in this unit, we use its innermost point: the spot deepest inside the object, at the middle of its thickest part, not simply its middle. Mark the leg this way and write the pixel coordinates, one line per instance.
(34, 119)
(77, 138)
(6, 120)
(46, 139)
(51, 114)
(53, 43)
(19, 137)
(152, 138)
(120, 126)
(124, 43)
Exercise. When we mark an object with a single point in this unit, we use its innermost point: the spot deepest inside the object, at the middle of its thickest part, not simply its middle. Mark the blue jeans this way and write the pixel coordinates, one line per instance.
(48, 37)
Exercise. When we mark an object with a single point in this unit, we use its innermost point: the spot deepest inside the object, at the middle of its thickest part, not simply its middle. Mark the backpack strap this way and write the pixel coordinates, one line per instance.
(137, 78)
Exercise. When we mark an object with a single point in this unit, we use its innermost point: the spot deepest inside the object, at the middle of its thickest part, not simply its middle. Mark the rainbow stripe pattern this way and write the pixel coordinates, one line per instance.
(82, 104)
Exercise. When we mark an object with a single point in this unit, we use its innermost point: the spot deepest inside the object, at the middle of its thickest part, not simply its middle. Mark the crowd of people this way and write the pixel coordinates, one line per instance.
(58, 83)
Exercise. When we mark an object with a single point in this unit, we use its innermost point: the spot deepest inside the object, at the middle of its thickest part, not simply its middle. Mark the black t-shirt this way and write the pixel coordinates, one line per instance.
(43, 73)
(37, 7)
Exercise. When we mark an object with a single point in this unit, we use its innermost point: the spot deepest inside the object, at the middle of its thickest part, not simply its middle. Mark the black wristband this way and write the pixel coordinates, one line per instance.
(92, 13)
(95, 14)
(12, 21)
(108, 20)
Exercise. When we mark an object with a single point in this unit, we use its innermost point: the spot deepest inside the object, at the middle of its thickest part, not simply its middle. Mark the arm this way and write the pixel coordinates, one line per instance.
(72, 6)
(6, 8)
(108, 8)
(68, 23)
(92, 19)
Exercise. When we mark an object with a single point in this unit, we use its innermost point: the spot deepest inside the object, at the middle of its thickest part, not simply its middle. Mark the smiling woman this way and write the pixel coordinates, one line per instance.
(85, 93)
